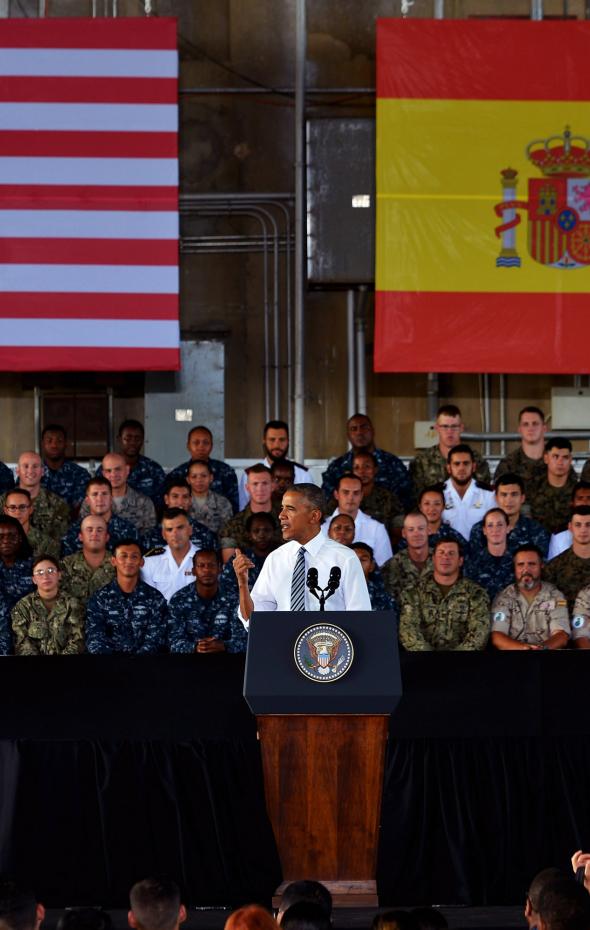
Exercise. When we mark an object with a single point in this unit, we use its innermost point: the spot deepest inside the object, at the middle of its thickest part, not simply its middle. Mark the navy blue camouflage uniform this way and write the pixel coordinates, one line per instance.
(118, 528)
(147, 477)
(392, 474)
(225, 480)
(380, 598)
(6, 478)
(15, 580)
(135, 623)
(69, 481)
(491, 572)
(5, 628)
(201, 536)
(228, 580)
(526, 532)
(191, 618)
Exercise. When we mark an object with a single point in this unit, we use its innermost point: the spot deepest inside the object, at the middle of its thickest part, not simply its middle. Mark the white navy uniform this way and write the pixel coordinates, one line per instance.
(162, 572)
(462, 513)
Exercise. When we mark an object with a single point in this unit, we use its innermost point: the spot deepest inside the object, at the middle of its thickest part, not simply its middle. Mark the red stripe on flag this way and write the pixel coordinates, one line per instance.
(75, 197)
(32, 358)
(22, 89)
(77, 32)
(475, 60)
(54, 305)
(506, 333)
(88, 251)
(88, 144)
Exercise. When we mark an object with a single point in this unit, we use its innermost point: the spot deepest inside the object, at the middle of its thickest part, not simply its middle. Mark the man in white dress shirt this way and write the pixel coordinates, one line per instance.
(169, 568)
(466, 501)
(349, 494)
(305, 547)
(275, 444)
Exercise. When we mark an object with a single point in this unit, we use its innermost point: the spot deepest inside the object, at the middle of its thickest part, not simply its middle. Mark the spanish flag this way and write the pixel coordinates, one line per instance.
(483, 196)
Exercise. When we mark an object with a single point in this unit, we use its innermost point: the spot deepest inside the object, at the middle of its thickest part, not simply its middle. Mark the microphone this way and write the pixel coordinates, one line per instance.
(334, 579)
(312, 579)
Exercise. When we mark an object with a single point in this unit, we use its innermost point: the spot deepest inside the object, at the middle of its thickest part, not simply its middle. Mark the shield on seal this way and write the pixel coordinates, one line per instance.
(559, 221)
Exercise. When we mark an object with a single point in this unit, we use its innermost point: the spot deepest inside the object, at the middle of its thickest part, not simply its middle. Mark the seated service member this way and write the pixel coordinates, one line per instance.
(87, 571)
(531, 613)
(275, 445)
(260, 533)
(570, 571)
(62, 476)
(51, 514)
(559, 542)
(380, 599)
(18, 504)
(341, 529)
(145, 475)
(48, 622)
(5, 628)
(348, 495)
(281, 583)
(510, 497)
(177, 493)
(429, 466)
(466, 501)
(444, 611)
(491, 565)
(170, 568)
(209, 508)
(527, 461)
(282, 475)
(259, 486)
(127, 502)
(200, 445)
(409, 564)
(550, 493)
(99, 497)
(16, 561)
(431, 502)
(127, 615)
(203, 617)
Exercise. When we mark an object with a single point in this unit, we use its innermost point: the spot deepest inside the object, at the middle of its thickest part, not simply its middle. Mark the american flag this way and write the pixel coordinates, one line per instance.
(88, 195)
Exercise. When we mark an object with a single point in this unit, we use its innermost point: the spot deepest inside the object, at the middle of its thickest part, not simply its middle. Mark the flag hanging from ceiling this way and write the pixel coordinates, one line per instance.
(483, 196)
(88, 195)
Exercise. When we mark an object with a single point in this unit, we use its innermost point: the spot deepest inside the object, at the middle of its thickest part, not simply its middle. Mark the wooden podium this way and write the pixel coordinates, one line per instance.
(323, 748)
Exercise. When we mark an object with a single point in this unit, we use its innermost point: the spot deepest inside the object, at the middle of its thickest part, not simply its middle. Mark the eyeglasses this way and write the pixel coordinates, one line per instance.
(45, 571)
(17, 508)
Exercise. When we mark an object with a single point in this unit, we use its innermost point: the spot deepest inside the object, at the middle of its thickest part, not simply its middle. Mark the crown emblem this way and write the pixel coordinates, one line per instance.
(559, 156)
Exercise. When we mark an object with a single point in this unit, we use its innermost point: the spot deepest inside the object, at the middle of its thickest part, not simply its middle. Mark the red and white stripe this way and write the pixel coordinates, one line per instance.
(88, 195)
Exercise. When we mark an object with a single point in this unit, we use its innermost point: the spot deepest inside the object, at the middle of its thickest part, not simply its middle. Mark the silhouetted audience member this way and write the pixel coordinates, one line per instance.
(305, 915)
(538, 884)
(395, 920)
(305, 890)
(429, 918)
(251, 917)
(564, 905)
(85, 918)
(19, 908)
(155, 904)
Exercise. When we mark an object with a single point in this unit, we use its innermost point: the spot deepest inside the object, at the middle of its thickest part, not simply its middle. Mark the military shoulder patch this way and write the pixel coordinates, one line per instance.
(578, 622)
(499, 616)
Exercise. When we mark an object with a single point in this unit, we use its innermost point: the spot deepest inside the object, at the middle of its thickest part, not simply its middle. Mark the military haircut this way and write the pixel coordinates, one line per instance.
(18, 905)
(44, 557)
(258, 469)
(264, 516)
(338, 516)
(528, 547)
(54, 428)
(359, 416)
(496, 510)
(176, 482)
(540, 882)
(200, 429)
(558, 442)
(208, 551)
(305, 915)
(313, 495)
(128, 541)
(531, 409)
(347, 474)
(155, 903)
(583, 510)
(564, 905)
(99, 481)
(131, 424)
(509, 477)
(448, 410)
(463, 449)
(415, 513)
(306, 890)
(445, 542)
(433, 489)
(283, 463)
(364, 547)
(276, 424)
(171, 513)
(580, 485)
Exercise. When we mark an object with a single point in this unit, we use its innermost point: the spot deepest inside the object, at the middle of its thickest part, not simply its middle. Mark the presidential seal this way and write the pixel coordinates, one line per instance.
(323, 652)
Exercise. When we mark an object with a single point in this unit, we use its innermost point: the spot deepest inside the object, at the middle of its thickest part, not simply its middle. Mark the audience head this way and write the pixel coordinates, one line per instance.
(127, 559)
(200, 443)
(558, 456)
(29, 469)
(305, 890)
(206, 567)
(251, 917)
(13, 540)
(360, 432)
(275, 440)
(19, 908)
(364, 466)
(495, 526)
(528, 562)
(116, 469)
(415, 529)
(341, 529)
(305, 915)
(563, 905)
(131, 436)
(261, 529)
(461, 464)
(509, 490)
(581, 493)
(366, 557)
(531, 424)
(177, 493)
(94, 533)
(99, 495)
(283, 477)
(84, 918)
(200, 478)
(447, 559)
(259, 484)
(349, 493)
(155, 905)
(18, 504)
(431, 503)
(449, 426)
(53, 442)
(46, 574)
(538, 884)
(395, 920)
(176, 529)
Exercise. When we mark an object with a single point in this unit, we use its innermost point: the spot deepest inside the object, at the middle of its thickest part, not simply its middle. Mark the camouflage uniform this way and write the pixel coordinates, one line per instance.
(51, 514)
(134, 507)
(429, 467)
(6, 477)
(491, 572)
(530, 621)
(456, 620)
(569, 572)
(68, 482)
(392, 474)
(202, 537)
(42, 544)
(117, 529)
(400, 573)
(39, 632)
(551, 506)
(445, 531)
(147, 477)
(191, 618)
(581, 615)
(225, 480)
(525, 532)
(16, 580)
(131, 623)
(5, 629)
(233, 534)
(517, 463)
(213, 511)
(585, 476)
(228, 580)
(81, 580)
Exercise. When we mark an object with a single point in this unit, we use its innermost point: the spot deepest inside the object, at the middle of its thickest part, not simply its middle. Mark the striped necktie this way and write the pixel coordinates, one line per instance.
(298, 582)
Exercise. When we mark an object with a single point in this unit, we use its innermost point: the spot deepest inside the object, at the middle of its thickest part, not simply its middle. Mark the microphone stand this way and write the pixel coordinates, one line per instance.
(322, 597)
